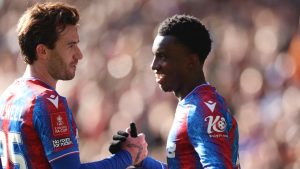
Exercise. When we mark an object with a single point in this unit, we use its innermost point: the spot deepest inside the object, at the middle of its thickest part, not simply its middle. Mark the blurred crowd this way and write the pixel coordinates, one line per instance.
(254, 64)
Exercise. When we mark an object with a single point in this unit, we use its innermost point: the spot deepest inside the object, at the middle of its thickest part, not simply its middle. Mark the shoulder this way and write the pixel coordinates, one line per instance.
(38, 87)
(44, 97)
(28, 90)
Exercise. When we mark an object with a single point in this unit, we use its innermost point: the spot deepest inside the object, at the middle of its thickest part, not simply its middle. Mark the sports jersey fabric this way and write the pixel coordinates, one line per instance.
(37, 130)
(203, 134)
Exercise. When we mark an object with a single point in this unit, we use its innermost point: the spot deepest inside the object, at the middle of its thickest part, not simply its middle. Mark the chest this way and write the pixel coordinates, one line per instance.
(178, 141)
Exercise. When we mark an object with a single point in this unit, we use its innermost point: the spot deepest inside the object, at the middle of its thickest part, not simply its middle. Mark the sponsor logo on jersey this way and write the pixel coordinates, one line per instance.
(61, 143)
(54, 100)
(59, 124)
(61, 131)
(211, 105)
(216, 126)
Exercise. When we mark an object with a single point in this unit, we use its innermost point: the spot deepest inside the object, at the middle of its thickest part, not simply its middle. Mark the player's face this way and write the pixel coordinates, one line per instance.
(169, 63)
(63, 59)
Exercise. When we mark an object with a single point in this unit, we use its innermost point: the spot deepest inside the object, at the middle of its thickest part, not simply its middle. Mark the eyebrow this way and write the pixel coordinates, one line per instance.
(73, 42)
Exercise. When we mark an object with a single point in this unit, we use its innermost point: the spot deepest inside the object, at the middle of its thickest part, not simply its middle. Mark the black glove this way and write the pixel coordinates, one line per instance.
(118, 139)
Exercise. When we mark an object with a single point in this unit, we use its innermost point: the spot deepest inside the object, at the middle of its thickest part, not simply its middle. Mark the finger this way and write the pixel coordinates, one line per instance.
(116, 142)
(142, 135)
(122, 133)
(118, 137)
(133, 130)
(114, 149)
(127, 130)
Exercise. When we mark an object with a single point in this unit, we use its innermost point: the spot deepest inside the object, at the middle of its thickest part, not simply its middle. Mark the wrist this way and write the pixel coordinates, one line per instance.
(135, 151)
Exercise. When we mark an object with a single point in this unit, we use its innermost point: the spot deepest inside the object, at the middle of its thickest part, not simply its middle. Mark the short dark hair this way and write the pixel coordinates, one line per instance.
(41, 24)
(190, 32)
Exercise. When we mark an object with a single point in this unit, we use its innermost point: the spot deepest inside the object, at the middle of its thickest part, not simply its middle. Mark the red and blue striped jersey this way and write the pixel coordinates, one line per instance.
(203, 135)
(36, 126)
(37, 130)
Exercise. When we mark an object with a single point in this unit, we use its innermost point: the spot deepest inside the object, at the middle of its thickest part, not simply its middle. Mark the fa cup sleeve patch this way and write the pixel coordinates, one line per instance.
(60, 124)
(60, 131)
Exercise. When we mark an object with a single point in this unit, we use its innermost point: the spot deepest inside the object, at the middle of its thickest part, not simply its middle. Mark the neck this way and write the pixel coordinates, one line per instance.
(39, 72)
(189, 86)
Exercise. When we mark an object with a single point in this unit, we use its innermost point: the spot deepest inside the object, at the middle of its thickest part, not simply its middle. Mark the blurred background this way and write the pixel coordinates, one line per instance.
(254, 64)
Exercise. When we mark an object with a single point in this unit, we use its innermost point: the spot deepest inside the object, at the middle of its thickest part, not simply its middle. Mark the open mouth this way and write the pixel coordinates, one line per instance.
(159, 78)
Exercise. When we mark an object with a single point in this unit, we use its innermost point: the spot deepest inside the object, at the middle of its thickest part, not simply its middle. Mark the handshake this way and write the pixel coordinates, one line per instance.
(132, 142)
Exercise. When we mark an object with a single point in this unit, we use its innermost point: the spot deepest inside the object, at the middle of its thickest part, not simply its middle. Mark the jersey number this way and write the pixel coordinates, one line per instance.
(8, 149)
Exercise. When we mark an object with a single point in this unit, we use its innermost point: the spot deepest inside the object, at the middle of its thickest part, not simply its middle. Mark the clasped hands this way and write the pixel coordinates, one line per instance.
(132, 142)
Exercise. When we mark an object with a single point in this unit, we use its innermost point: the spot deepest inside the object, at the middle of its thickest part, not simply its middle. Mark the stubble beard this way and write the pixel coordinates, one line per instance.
(59, 70)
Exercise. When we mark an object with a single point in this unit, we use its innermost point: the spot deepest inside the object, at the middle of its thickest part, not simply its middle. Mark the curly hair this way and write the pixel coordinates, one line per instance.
(42, 24)
(190, 32)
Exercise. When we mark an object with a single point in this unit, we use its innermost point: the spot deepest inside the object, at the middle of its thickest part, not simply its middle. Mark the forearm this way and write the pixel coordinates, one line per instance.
(119, 160)
(122, 159)
(150, 163)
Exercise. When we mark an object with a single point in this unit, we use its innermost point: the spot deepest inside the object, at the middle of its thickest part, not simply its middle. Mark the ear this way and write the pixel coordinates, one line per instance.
(193, 61)
(41, 51)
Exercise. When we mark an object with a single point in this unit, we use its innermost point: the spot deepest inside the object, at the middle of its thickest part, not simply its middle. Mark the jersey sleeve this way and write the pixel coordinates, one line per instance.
(55, 127)
(119, 160)
(207, 133)
(150, 163)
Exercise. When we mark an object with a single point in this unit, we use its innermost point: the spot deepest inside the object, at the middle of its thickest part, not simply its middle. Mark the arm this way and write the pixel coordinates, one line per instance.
(57, 132)
(150, 163)
(132, 147)
(119, 160)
